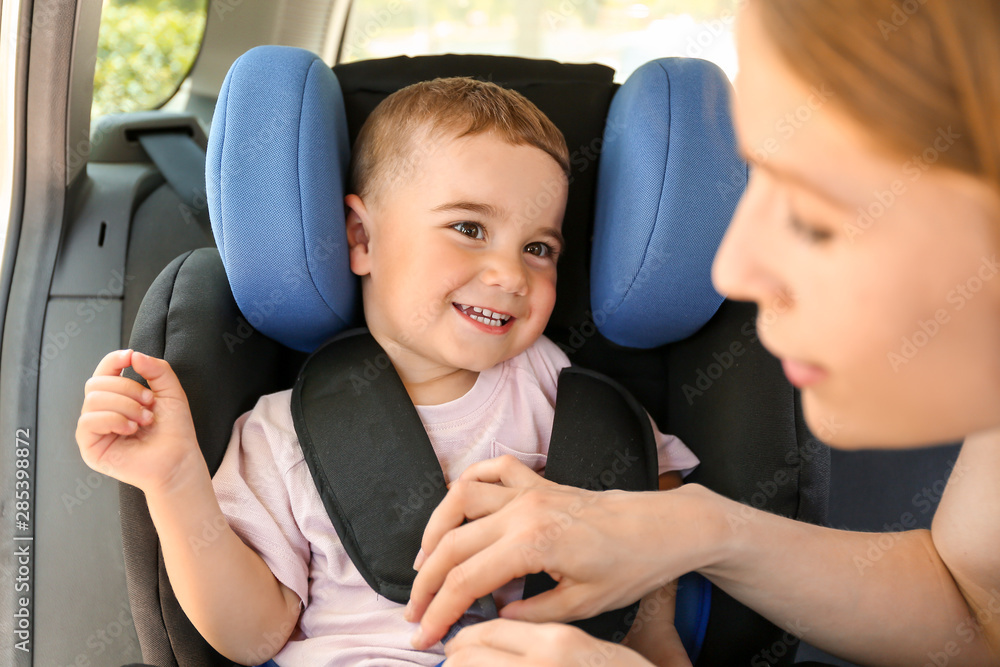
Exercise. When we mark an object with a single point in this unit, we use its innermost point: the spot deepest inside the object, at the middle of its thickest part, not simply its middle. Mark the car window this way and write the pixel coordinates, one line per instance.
(145, 50)
(621, 34)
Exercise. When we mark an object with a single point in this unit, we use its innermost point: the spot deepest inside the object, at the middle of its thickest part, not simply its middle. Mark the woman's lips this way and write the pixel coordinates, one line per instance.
(802, 374)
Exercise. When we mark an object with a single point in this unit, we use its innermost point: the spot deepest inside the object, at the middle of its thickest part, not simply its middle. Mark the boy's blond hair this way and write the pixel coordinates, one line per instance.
(411, 123)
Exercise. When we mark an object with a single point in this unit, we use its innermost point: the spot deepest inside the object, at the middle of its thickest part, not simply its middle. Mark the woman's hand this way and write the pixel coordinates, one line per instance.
(504, 642)
(143, 437)
(605, 549)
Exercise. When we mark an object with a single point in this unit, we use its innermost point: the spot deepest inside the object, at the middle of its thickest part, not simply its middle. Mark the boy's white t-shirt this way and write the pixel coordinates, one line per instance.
(269, 497)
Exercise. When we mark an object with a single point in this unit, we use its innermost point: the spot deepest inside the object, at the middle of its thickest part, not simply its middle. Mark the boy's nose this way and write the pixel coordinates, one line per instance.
(507, 273)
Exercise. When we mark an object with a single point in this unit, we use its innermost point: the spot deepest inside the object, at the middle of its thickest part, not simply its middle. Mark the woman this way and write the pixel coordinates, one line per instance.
(876, 219)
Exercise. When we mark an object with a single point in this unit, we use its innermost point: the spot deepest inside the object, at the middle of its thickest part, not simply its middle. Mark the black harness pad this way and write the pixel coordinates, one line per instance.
(601, 439)
(380, 480)
(370, 457)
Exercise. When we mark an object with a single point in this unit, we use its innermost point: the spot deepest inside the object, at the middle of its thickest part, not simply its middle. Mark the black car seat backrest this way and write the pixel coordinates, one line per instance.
(718, 390)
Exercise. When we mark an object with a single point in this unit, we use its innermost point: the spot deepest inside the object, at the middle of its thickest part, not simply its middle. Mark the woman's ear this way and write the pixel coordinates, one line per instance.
(357, 235)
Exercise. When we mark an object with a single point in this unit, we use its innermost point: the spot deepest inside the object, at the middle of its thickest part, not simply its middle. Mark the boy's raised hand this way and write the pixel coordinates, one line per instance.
(143, 437)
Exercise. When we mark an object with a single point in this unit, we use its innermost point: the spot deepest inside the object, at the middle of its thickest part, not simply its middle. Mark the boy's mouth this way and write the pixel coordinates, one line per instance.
(484, 315)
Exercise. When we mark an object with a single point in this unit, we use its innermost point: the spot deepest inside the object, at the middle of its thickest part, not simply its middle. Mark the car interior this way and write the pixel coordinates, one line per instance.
(112, 242)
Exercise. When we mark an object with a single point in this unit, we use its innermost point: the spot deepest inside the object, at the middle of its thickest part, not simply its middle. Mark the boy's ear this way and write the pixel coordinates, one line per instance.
(357, 235)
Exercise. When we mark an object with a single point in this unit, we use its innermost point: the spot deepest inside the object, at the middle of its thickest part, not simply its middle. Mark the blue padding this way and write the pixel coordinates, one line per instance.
(694, 602)
(276, 170)
(670, 178)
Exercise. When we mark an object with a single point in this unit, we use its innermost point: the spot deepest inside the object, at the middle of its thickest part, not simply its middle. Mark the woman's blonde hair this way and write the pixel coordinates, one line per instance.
(413, 122)
(904, 69)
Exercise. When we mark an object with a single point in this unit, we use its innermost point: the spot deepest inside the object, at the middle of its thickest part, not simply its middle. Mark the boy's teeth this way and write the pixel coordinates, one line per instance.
(488, 316)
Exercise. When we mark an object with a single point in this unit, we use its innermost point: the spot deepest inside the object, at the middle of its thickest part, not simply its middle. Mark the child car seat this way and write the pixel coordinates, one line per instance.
(669, 181)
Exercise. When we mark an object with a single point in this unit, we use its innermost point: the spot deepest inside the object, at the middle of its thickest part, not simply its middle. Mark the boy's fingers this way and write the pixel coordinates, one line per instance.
(107, 401)
(114, 363)
(119, 385)
(93, 426)
(158, 375)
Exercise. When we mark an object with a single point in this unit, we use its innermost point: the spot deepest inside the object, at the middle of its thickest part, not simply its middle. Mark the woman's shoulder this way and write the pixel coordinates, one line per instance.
(966, 529)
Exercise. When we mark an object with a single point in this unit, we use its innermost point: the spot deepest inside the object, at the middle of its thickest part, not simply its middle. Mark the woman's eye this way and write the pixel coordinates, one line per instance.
(809, 232)
(540, 249)
(471, 229)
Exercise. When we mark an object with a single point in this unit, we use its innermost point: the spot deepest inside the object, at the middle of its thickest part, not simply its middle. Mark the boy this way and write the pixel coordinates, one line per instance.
(455, 231)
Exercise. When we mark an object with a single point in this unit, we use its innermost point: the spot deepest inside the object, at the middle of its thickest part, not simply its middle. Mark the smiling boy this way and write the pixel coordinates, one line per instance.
(454, 228)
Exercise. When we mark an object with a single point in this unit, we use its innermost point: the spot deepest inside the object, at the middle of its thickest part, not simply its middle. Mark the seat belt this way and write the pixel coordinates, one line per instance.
(380, 480)
(181, 161)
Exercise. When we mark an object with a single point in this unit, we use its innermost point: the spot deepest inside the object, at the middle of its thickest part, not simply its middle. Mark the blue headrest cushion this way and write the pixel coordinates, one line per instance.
(277, 163)
(669, 181)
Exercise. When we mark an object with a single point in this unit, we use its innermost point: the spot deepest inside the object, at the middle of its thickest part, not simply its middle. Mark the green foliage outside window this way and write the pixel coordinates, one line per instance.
(145, 49)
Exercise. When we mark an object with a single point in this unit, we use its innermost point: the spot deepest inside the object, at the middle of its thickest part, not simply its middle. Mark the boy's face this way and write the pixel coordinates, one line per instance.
(474, 224)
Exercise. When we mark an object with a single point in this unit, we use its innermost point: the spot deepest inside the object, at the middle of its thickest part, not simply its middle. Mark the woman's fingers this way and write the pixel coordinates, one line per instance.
(505, 642)
(510, 637)
(505, 470)
(548, 605)
(465, 500)
(466, 572)
(477, 656)
(446, 561)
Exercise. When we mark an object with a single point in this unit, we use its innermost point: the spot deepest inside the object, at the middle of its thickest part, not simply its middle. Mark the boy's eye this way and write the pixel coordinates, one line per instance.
(471, 229)
(540, 249)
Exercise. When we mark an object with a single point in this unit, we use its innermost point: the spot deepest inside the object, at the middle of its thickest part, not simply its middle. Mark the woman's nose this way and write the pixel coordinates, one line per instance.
(743, 269)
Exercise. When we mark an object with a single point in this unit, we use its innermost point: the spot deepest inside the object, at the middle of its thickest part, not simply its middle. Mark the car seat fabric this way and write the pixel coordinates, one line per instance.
(189, 318)
(668, 144)
(577, 98)
(277, 208)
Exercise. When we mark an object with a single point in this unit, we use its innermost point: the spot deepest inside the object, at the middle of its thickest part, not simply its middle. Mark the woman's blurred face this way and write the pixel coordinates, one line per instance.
(877, 277)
